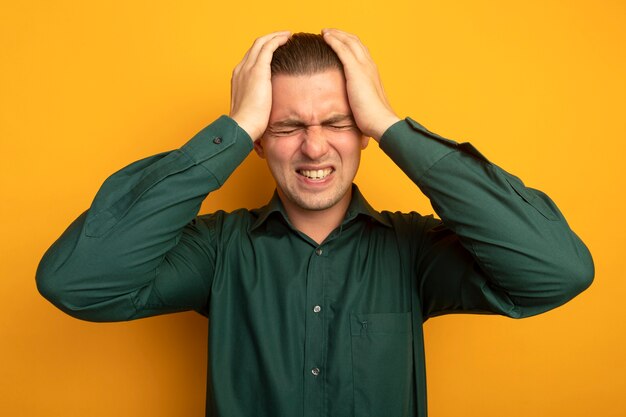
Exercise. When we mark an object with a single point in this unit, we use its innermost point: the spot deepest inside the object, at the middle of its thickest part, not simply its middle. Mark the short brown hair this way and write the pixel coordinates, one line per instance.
(304, 54)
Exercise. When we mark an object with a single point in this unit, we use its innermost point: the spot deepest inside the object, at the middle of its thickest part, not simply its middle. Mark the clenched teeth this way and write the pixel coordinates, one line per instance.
(316, 174)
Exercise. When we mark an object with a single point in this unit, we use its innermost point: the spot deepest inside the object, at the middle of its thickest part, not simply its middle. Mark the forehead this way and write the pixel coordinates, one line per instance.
(309, 98)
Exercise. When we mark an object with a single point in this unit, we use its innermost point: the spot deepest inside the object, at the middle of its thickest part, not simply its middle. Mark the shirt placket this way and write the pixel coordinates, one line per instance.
(314, 360)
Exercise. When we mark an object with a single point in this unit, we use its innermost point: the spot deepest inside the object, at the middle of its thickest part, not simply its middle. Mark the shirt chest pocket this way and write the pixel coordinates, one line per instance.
(382, 364)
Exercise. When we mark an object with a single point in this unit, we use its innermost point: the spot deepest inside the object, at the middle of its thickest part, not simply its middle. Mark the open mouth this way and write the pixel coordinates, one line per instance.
(315, 174)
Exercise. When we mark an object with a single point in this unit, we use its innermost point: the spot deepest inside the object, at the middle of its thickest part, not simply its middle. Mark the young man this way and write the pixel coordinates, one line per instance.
(316, 301)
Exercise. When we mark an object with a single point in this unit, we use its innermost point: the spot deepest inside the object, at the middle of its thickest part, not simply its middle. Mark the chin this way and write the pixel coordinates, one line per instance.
(317, 207)
(316, 203)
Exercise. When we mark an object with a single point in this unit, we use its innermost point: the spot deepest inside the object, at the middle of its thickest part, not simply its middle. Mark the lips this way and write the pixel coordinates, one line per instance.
(315, 174)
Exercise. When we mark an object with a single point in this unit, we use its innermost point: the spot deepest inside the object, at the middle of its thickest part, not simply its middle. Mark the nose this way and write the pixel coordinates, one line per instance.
(314, 143)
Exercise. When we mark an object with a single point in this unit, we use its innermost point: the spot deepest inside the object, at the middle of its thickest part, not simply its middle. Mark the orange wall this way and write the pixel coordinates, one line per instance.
(88, 87)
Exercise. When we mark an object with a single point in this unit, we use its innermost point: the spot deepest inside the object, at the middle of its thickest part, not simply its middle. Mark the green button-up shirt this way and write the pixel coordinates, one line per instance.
(305, 329)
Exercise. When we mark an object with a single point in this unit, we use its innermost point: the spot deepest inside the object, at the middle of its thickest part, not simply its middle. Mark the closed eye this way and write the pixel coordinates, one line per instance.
(341, 127)
(284, 132)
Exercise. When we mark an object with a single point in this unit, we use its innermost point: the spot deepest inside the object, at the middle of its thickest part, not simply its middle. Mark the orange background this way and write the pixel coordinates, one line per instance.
(88, 87)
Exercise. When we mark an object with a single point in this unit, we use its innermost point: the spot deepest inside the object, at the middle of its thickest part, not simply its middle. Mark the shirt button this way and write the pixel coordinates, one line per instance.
(217, 140)
(317, 309)
(315, 371)
(319, 251)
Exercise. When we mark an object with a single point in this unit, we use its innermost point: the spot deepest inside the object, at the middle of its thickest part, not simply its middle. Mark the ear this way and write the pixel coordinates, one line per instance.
(365, 140)
(258, 148)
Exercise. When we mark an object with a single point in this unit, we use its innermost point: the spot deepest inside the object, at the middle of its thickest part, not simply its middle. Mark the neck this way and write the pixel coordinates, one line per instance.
(317, 224)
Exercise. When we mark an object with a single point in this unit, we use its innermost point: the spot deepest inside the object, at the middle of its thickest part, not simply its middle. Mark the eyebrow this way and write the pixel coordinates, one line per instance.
(299, 123)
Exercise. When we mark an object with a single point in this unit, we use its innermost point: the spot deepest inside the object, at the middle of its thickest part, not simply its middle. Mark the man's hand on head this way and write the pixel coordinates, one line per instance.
(251, 85)
(371, 109)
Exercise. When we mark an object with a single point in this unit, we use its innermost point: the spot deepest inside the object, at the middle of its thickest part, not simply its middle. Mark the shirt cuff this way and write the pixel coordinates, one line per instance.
(415, 149)
(220, 147)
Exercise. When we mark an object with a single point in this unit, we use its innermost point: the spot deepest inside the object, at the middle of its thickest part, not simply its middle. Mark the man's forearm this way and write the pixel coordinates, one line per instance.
(102, 267)
(516, 234)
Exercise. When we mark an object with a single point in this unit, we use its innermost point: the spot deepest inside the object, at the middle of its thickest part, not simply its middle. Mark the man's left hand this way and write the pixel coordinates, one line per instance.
(370, 108)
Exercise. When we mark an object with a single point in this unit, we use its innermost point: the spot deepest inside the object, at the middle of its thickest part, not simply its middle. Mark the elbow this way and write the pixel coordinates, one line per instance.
(62, 292)
(585, 276)
(82, 296)
(55, 278)
(45, 281)
(559, 285)
(53, 288)
(67, 279)
(578, 276)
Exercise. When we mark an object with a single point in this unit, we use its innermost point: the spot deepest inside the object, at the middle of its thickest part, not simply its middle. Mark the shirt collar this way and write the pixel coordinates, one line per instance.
(358, 206)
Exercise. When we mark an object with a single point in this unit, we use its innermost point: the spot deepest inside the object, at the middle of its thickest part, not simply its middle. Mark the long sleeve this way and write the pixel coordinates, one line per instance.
(140, 250)
(501, 247)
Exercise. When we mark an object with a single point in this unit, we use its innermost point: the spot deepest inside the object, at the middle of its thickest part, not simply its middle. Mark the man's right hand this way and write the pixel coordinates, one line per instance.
(251, 85)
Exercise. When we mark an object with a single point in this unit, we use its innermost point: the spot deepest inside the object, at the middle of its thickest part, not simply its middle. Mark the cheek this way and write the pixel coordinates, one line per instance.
(279, 154)
(350, 148)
